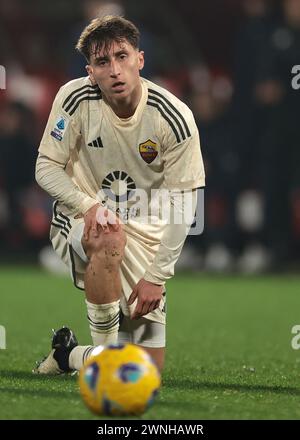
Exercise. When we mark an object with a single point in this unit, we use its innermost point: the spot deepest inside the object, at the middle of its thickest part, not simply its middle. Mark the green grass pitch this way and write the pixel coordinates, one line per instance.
(229, 350)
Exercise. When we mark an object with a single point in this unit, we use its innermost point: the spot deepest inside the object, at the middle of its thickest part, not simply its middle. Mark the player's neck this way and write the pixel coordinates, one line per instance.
(126, 108)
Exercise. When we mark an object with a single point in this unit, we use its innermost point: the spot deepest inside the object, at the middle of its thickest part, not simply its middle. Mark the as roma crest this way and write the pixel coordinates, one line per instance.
(148, 151)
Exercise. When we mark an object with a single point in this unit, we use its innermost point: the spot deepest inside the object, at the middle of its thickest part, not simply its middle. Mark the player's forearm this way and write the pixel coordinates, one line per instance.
(52, 177)
(173, 239)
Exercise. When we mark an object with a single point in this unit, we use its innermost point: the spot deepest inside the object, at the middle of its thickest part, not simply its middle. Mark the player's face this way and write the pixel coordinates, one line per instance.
(117, 70)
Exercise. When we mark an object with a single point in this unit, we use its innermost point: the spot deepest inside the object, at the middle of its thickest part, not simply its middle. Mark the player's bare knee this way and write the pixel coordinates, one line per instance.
(95, 245)
(113, 247)
(107, 249)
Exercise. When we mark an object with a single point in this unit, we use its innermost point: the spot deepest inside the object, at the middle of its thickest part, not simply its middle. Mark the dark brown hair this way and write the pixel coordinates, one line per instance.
(102, 32)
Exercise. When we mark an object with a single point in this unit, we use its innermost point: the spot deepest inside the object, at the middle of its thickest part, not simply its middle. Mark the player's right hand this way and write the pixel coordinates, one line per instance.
(96, 217)
(106, 218)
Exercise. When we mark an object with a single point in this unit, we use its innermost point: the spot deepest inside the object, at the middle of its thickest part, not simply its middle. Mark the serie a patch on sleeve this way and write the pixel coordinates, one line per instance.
(60, 128)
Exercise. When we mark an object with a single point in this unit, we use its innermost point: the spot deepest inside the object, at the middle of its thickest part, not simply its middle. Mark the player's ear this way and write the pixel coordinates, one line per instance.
(141, 59)
(89, 70)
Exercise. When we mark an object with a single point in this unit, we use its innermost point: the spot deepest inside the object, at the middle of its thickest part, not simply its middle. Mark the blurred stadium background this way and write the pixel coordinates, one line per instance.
(230, 60)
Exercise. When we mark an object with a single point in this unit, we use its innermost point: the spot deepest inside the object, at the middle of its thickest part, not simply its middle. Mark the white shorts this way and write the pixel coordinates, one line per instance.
(66, 234)
(142, 332)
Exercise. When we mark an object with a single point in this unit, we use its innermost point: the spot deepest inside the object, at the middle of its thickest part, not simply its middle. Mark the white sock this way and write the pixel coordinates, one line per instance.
(81, 353)
(104, 322)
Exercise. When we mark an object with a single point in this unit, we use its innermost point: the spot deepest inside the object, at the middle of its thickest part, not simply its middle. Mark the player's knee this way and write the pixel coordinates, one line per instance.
(113, 246)
(107, 249)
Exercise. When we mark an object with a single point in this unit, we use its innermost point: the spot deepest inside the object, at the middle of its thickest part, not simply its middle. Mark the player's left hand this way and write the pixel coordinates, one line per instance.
(148, 297)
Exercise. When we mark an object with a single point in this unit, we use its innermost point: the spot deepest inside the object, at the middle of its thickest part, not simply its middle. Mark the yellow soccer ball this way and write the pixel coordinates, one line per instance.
(121, 380)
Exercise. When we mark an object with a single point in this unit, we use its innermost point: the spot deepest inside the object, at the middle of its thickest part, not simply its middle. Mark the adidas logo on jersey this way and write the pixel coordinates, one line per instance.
(97, 143)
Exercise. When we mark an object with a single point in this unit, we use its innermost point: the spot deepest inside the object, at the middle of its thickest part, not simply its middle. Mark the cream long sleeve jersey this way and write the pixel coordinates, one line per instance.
(89, 154)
